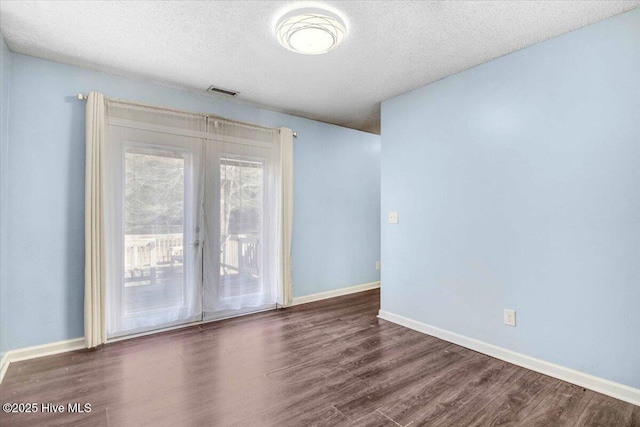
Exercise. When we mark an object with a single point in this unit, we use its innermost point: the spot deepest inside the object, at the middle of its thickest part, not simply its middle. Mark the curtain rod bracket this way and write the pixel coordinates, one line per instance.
(82, 97)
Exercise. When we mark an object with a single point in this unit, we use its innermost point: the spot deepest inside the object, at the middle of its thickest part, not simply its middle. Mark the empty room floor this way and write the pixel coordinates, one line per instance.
(327, 363)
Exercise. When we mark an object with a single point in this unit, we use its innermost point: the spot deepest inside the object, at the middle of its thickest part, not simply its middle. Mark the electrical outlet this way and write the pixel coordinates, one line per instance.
(377, 265)
(393, 217)
(509, 317)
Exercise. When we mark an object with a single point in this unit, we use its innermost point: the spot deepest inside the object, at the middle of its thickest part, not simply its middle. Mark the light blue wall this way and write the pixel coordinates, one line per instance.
(518, 186)
(337, 194)
(5, 72)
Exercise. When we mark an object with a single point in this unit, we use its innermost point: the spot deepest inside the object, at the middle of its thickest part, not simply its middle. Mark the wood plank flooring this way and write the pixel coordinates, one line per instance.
(329, 363)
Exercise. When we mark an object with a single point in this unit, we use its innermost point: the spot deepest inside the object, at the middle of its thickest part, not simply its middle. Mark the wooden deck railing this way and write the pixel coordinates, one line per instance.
(146, 255)
(240, 253)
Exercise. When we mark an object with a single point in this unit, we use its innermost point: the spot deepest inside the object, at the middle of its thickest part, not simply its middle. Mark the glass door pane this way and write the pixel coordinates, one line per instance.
(241, 222)
(154, 231)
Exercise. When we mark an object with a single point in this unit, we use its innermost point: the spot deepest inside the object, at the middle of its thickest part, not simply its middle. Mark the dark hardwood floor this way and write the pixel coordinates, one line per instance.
(329, 363)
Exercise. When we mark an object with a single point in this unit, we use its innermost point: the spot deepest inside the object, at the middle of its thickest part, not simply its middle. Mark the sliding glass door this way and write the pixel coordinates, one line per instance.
(155, 272)
(240, 245)
(193, 224)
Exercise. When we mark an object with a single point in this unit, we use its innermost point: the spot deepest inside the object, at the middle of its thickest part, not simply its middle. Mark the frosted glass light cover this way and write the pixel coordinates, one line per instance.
(310, 31)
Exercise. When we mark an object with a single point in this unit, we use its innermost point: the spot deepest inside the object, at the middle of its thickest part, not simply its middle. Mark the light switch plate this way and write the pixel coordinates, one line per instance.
(393, 217)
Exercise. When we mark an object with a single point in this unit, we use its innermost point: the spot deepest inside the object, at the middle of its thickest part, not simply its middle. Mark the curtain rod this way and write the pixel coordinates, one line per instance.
(83, 97)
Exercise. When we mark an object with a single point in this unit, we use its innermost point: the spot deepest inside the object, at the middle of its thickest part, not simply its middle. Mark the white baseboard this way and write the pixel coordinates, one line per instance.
(4, 365)
(335, 293)
(600, 385)
(39, 351)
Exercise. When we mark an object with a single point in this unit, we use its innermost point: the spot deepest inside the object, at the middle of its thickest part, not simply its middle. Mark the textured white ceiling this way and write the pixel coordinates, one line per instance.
(391, 47)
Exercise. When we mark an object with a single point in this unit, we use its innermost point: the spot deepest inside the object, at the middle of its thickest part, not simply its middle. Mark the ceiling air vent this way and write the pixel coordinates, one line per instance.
(227, 92)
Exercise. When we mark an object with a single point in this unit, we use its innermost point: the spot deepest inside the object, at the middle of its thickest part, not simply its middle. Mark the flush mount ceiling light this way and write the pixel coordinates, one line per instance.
(310, 31)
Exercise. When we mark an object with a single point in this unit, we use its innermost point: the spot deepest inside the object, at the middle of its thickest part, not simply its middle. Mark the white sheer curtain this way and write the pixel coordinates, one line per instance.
(153, 190)
(242, 226)
(188, 217)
